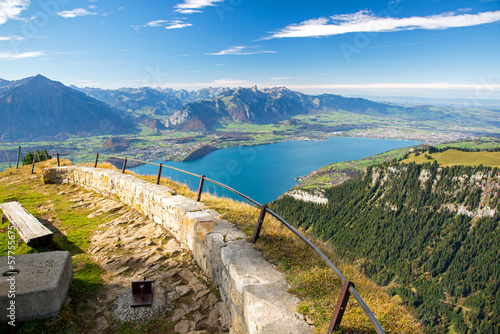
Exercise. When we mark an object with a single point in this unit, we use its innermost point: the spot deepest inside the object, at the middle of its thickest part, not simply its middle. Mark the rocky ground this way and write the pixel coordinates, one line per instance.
(130, 248)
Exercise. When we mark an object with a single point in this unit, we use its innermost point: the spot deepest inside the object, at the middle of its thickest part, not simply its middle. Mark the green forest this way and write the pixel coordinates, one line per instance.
(430, 234)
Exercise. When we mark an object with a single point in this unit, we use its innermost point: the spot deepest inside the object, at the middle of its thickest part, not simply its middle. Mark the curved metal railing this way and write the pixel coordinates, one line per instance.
(348, 287)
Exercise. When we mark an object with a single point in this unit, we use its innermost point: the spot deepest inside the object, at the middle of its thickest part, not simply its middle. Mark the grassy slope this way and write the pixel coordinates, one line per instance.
(454, 157)
(72, 231)
(334, 173)
(476, 143)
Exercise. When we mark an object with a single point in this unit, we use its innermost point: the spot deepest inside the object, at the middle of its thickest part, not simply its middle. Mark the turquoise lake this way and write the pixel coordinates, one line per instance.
(265, 172)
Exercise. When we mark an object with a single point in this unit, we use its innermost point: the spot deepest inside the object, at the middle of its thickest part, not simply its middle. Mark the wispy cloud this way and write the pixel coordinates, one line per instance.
(11, 38)
(75, 13)
(167, 24)
(238, 50)
(157, 23)
(71, 52)
(177, 24)
(10, 9)
(22, 55)
(366, 21)
(281, 78)
(214, 83)
(194, 6)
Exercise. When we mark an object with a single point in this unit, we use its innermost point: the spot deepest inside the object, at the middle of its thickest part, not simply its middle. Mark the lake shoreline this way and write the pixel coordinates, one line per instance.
(264, 172)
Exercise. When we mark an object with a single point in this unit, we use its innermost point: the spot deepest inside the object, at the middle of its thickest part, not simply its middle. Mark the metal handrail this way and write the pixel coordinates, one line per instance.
(310, 244)
(345, 293)
(235, 191)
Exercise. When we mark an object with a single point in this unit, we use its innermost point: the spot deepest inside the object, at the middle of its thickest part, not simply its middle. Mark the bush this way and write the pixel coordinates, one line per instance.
(37, 155)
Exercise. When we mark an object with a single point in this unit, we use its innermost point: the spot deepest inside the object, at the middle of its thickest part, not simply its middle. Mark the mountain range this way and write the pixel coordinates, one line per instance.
(272, 105)
(161, 101)
(37, 107)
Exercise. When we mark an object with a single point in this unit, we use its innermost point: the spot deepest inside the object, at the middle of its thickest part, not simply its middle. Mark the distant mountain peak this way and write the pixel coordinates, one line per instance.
(39, 76)
(36, 78)
(37, 106)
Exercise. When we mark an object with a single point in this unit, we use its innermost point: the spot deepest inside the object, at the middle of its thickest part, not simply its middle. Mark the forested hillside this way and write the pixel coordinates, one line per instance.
(430, 234)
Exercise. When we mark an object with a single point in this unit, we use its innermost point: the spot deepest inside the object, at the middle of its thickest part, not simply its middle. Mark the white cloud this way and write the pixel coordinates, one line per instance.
(194, 6)
(92, 7)
(168, 24)
(365, 21)
(71, 52)
(238, 50)
(11, 38)
(157, 23)
(75, 13)
(10, 9)
(214, 83)
(22, 55)
(188, 11)
(281, 78)
(177, 24)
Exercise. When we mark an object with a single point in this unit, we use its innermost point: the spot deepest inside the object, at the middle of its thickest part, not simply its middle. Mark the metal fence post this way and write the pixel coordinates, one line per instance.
(58, 163)
(18, 156)
(33, 163)
(256, 233)
(159, 174)
(341, 305)
(124, 165)
(96, 160)
(200, 188)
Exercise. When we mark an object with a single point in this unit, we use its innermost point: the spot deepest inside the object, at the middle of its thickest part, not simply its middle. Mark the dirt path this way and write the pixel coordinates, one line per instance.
(130, 248)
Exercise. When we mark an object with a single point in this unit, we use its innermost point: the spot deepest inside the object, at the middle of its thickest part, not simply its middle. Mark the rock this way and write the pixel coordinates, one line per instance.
(154, 259)
(178, 313)
(180, 291)
(101, 324)
(121, 270)
(182, 327)
(212, 299)
(172, 246)
(201, 294)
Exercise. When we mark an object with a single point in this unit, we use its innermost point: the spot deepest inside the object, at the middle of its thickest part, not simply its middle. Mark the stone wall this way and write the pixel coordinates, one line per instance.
(254, 291)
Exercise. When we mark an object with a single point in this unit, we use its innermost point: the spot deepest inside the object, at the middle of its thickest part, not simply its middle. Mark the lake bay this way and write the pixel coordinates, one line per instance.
(265, 172)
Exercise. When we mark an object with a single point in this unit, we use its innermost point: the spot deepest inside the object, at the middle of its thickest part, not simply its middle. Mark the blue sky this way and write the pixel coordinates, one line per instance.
(388, 48)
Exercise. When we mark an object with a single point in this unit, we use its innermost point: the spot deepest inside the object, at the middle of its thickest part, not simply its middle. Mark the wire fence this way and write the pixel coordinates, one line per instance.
(348, 287)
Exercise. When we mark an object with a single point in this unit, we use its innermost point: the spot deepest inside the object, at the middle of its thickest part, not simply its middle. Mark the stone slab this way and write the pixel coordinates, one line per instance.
(40, 287)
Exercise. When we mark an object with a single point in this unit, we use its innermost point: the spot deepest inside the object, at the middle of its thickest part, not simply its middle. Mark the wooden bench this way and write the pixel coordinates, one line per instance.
(28, 227)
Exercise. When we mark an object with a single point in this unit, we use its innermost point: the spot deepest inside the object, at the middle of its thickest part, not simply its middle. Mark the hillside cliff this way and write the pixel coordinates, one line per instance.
(430, 234)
